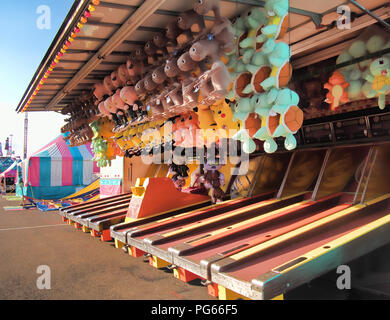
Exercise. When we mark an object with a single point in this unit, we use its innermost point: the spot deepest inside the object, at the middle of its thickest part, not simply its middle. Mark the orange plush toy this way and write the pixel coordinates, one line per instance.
(337, 90)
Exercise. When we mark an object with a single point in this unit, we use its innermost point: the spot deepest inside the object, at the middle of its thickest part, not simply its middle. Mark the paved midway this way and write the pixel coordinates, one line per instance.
(82, 267)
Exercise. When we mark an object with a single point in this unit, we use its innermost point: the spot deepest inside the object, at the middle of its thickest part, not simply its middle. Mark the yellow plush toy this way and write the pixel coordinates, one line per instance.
(223, 117)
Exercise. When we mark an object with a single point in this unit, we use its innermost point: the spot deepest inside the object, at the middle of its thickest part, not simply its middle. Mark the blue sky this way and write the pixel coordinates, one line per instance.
(22, 47)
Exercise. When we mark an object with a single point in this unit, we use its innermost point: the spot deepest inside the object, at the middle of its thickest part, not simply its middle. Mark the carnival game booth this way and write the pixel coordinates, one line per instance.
(8, 178)
(298, 90)
(57, 170)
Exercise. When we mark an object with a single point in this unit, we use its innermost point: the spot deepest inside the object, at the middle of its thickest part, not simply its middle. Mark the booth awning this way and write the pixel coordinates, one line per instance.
(117, 27)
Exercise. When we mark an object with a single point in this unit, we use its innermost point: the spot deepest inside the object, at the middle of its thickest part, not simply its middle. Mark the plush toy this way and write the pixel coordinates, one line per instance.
(337, 90)
(202, 49)
(202, 7)
(108, 85)
(116, 81)
(129, 96)
(223, 117)
(214, 180)
(248, 145)
(357, 50)
(290, 122)
(380, 80)
(277, 12)
(99, 91)
(214, 84)
(282, 99)
(281, 71)
(179, 174)
(122, 107)
(207, 124)
(104, 112)
(192, 136)
(190, 20)
(265, 133)
(254, 20)
(243, 107)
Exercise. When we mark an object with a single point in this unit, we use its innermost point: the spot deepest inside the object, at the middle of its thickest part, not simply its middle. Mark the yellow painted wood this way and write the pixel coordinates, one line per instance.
(176, 273)
(86, 229)
(279, 297)
(159, 263)
(315, 253)
(294, 233)
(118, 244)
(227, 294)
(235, 213)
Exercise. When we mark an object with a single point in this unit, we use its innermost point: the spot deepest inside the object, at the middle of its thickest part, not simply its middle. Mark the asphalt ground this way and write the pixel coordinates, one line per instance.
(81, 267)
(84, 268)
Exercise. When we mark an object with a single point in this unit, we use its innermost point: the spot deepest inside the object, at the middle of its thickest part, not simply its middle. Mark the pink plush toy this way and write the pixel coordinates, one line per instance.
(116, 82)
(99, 91)
(103, 111)
(108, 85)
(123, 74)
(129, 97)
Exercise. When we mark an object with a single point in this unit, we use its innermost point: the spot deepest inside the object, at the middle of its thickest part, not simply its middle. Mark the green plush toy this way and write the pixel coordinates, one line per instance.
(278, 56)
(282, 99)
(258, 60)
(243, 108)
(263, 134)
(355, 89)
(262, 104)
(357, 50)
(380, 80)
(277, 11)
(248, 145)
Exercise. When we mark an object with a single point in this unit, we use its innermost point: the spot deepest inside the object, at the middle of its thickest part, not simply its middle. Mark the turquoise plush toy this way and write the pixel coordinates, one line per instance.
(248, 145)
(380, 80)
(357, 50)
(264, 134)
(282, 99)
(259, 59)
(262, 104)
(277, 57)
(243, 108)
(277, 11)
(254, 20)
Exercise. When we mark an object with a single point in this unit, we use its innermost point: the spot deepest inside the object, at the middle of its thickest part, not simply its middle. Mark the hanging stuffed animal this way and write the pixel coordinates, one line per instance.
(337, 90)
(179, 174)
(214, 180)
(379, 80)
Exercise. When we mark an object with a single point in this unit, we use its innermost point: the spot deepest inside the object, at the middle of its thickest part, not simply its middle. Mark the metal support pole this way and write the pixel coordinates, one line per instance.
(382, 22)
(25, 135)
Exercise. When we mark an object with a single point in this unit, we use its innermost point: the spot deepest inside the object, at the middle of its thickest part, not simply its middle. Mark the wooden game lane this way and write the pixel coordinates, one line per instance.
(276, 266)
(156, 241)
(94, 203)
(197, 254)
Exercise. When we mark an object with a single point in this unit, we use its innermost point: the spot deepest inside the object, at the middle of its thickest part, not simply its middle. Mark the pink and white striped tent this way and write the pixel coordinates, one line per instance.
(57, 170)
